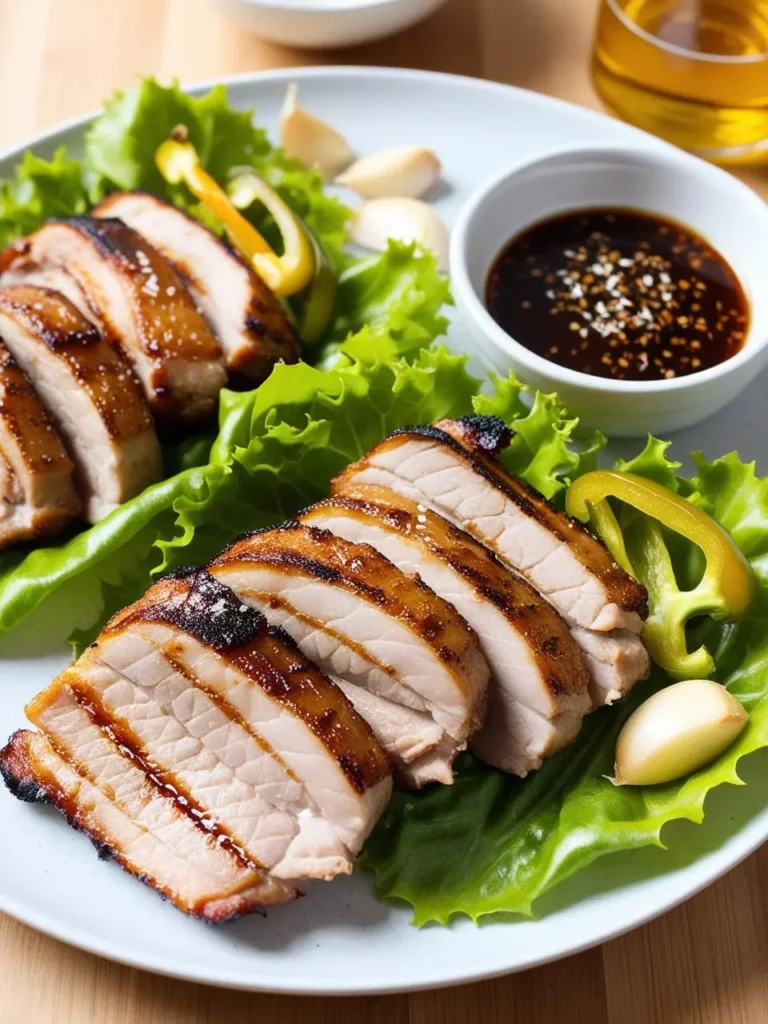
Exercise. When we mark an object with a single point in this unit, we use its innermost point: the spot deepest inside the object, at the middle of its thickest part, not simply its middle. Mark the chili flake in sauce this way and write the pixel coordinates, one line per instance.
(618, 293)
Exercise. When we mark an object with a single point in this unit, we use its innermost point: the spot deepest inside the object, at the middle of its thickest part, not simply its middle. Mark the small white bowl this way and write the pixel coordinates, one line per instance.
(327, 24)
(713, 203)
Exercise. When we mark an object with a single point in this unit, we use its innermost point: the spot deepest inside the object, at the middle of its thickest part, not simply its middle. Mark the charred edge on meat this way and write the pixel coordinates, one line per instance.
(486, 434)
(528, 499)
(18, 775)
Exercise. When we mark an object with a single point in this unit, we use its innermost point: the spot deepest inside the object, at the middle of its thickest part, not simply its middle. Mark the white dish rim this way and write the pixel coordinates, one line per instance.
(754, 836)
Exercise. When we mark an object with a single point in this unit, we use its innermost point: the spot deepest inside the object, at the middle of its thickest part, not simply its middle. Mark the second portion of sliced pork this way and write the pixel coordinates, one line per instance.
(138, 301)
(539, 684)
(247, 318)
(37, 494)
(354, 613)
(90, 394)
(451, 469)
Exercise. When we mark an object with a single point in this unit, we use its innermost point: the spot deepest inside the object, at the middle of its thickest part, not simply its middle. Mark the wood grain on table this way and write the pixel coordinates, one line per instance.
(705, 962)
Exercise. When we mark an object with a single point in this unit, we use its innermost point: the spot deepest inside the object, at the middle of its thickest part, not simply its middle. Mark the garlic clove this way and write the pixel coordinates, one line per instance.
(677, 731)
(404, 219)
(403, 171)
(309, 139)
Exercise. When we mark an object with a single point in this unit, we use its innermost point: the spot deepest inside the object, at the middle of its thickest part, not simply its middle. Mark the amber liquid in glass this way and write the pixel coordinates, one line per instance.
(692, 71)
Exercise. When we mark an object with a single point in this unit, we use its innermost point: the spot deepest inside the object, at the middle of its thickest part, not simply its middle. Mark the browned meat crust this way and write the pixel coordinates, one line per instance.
(548, 637)
(471, 439)
(157, 325)
(360, 569)
(35, 468)
(196, 603)
(249, 320)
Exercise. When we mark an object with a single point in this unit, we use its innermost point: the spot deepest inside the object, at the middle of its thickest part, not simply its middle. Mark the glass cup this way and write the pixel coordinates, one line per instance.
(692, 71)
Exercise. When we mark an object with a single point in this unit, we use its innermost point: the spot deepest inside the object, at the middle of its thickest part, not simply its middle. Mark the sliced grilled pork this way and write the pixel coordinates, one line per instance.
(37, 495)
(451, 468)
(131, 815)
(90, 393)
(248, 320)
(361, 619)
(539, 680)
(199, 747)
(616, 662)
(138, 301)
(246, 726)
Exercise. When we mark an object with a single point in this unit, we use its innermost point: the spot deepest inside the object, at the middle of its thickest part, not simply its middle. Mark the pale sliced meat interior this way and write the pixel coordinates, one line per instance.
(130, 815)
(37, 492)
(90, 394)
(360, 618)
(538, 693)
(464, 483)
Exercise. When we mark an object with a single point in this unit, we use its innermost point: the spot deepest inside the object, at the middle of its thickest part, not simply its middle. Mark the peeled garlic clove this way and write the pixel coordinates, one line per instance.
(402, 171)
(309, 139)
(677, 731)
(407, 220)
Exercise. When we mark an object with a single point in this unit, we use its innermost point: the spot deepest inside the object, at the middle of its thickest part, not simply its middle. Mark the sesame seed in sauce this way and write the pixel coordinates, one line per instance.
(643, 298)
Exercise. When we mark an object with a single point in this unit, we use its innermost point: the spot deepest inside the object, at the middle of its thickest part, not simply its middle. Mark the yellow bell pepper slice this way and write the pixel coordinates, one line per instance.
(727, 586)
(287, 274)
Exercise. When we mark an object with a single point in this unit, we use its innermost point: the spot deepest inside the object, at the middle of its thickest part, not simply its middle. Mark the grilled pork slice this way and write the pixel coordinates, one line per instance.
(247, 318)
(243, 724)
(361, 619)
(138, 301)
(616, 662)
(37, 495)
(539, 680)
(130, 815)
(90, 393)
(450, 468)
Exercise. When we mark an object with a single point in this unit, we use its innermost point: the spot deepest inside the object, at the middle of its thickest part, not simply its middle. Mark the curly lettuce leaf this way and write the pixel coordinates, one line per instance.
(493, 844)
(547, 449)
(388, 306)
(40, 189)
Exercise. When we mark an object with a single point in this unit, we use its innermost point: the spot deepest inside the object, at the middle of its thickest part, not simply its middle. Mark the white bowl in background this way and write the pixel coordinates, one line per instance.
(327, 23)
(713, 203)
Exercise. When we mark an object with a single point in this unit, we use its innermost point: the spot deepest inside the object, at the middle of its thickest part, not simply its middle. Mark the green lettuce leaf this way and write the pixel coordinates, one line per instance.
(388, 306)
(493, 844)
(40, 189)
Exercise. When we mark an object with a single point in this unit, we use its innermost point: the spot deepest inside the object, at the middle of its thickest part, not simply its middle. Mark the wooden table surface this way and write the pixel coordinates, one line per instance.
(704, 962)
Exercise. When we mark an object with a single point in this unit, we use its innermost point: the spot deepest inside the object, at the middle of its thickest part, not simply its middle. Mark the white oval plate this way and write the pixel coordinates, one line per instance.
(340, 940)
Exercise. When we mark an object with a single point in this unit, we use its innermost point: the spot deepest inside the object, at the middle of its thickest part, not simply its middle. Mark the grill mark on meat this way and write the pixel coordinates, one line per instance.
(165, 782)
(226, 708)
(112, 385)
(272, 336)
(624, 590)
(30, 781)
(199, 604)
(517, 600)
(353, 562)
(275, 601)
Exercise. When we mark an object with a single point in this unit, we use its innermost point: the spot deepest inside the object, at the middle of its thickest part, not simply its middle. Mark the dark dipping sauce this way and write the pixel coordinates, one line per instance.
(618, 293)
